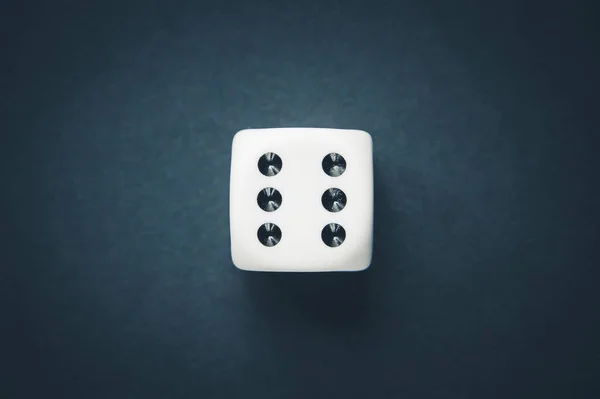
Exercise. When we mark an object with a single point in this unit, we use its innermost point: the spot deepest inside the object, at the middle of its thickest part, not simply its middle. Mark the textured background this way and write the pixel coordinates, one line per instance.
(116, 130)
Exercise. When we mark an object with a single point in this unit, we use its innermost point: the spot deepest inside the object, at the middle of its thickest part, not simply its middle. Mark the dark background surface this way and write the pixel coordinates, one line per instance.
(117, 123)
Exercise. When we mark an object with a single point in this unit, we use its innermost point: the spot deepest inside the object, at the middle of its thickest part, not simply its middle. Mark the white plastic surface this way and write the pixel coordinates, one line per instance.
(301, 216)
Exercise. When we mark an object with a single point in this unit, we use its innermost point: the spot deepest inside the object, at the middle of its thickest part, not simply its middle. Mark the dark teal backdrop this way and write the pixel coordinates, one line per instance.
(117, 123)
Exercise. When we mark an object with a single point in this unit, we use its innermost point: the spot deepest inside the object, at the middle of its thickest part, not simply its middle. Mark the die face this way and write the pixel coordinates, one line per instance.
(300, 200)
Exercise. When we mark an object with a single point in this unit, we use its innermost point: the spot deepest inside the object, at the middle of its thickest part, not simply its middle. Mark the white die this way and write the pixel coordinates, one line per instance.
(283, 215)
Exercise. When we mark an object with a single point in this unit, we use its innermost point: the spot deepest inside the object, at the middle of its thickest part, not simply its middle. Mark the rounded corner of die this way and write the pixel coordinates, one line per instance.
(364, 267)
(240, 135)
(362, 138)
(240, 268)
(362, 262)
(237, 264)
(368, 137)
